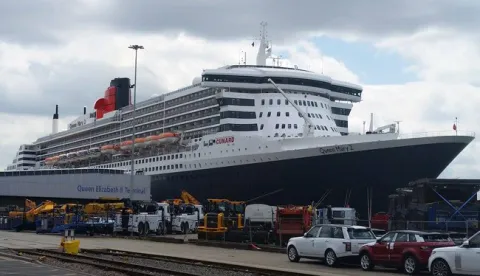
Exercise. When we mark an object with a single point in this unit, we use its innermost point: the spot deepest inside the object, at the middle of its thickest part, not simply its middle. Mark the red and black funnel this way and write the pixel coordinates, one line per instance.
(116, 96)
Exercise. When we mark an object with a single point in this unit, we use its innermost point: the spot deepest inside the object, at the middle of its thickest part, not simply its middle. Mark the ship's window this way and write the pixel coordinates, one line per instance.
(322, 105)
(276, 135)
(308, 103)
(320, 116)
(261, 126)
(295, 126)
(269, 113)
(181, 166)
(276, 126)
(309, 115)
(283, 126)
(260, 115)
(168, 157)
(289, 125)
(263, 102)
(279, 101)
(278, 114)
(295, 102)
(156, 168)
(176, 156)
(181, 155)
(315, 103)
(288, 114)
(270, 102)
(164, 167)
(300, 103)
(304, 103)
(176, 166)
(286, 102)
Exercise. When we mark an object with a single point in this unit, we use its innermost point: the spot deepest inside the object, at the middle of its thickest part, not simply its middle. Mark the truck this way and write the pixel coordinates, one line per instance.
(147, 218)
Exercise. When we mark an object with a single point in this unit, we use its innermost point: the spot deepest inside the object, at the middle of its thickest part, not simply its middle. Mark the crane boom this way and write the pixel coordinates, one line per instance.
(308, 126)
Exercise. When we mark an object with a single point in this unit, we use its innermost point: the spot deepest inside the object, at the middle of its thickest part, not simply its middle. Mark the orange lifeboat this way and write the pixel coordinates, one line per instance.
(126, 145)
(55, 159)
(108, 149)
(153, 140)
(49, 161)
(140, 143)
(169, 138)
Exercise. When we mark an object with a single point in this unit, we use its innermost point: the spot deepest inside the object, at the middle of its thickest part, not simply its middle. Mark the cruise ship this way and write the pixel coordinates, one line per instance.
(259, 133)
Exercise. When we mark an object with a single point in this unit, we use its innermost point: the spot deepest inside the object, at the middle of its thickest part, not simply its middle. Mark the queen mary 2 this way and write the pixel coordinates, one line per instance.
(268, 134)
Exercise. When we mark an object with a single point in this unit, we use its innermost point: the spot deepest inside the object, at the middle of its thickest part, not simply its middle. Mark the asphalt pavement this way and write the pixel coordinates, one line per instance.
(22, 268)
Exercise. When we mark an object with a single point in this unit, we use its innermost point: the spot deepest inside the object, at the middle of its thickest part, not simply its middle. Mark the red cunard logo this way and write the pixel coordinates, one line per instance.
(225, 140)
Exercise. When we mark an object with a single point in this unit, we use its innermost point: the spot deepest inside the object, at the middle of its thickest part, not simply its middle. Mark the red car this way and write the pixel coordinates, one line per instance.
(406, 250)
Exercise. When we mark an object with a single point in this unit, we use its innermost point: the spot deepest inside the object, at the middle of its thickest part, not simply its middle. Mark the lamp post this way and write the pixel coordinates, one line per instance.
(132, 170)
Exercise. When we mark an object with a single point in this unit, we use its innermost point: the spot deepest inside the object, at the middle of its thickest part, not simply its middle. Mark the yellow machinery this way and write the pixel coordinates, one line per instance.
(221, 216)
(189, 199)
(29, 205)
(46, 206)
(103, 208)
(68, 210)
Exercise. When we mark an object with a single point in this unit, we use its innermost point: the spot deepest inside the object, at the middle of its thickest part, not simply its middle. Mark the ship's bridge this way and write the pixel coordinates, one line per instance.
(256, 77)
(249, 102)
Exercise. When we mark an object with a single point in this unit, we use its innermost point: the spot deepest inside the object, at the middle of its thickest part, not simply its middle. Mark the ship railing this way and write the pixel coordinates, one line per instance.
(436, 134)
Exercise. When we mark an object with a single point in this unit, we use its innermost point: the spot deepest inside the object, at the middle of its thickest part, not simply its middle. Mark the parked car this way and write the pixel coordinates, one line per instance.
(458, 260)
(458, 238)
(406, 250)
(330, 242)
(379, 232)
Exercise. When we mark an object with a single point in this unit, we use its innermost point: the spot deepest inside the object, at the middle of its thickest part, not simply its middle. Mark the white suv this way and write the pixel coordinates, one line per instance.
(459, 260)
(329, 242)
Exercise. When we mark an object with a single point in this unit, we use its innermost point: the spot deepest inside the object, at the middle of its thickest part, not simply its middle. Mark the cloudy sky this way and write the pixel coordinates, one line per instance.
(418, 61)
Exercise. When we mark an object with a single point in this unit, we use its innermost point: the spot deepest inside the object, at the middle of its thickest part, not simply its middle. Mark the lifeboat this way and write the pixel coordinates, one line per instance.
(48, 161)
(153, 140)
(169, 138)
(94, 152)
(126, 145)
(54, 160)
(62, 158)
(72, 156)
(109, 149)
(82, 154)
(140, 143)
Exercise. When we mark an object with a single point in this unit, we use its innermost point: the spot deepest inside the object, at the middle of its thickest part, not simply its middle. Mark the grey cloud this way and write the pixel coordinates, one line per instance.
(74, 86)
(29, 21)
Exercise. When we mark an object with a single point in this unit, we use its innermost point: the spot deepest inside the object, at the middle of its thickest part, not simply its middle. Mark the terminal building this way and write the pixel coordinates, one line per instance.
(67, 185)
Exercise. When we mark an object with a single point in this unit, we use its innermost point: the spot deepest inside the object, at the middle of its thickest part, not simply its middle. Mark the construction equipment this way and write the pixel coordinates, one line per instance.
(221, 217)
(292, 221)
(26, 220)
(188, 198)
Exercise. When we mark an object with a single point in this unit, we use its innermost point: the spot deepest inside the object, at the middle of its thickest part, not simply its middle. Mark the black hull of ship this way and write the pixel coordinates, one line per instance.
(301, 181)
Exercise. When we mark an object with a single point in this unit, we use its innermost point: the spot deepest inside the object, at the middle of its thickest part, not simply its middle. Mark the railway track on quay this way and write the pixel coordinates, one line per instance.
(141, 264)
